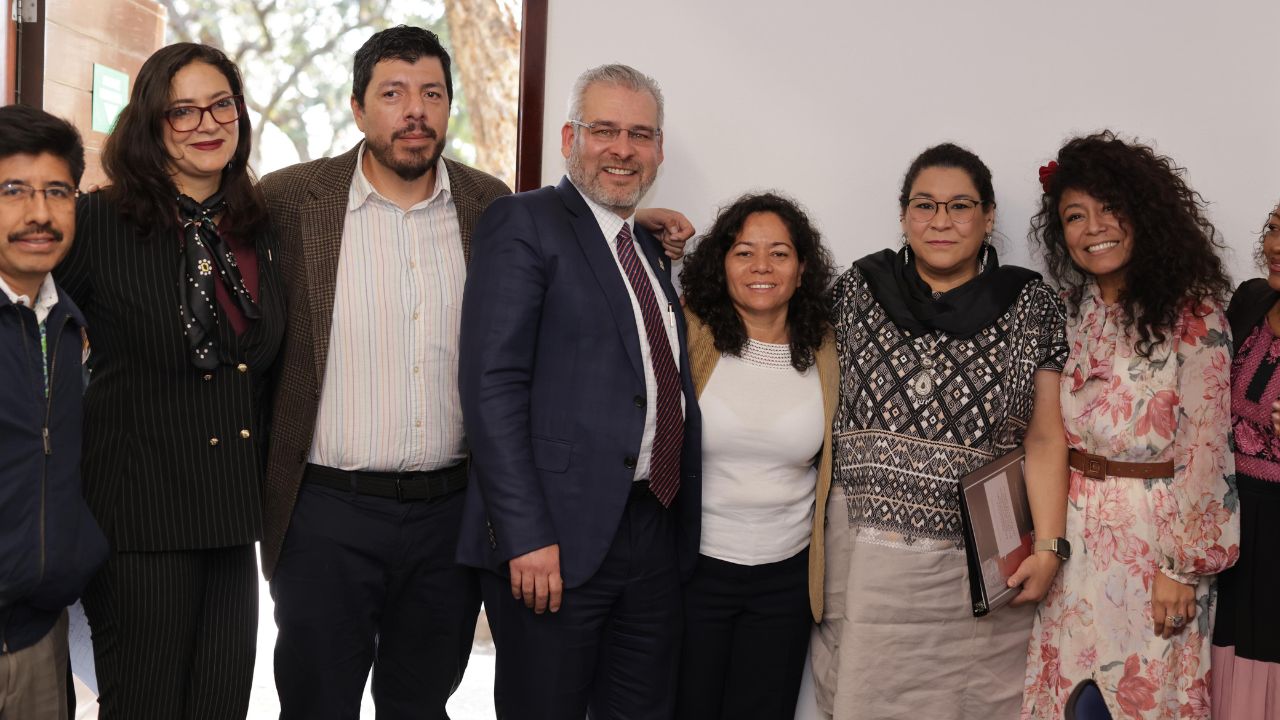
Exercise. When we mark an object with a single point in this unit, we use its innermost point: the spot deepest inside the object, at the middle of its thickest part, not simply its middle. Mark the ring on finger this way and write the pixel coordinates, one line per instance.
(1176, 621)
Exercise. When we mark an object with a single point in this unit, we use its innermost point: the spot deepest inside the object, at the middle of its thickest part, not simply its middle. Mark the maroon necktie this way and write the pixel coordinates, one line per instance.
(668, 438)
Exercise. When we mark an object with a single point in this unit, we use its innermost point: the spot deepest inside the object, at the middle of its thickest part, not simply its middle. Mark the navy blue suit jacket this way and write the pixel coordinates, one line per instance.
(553, 390)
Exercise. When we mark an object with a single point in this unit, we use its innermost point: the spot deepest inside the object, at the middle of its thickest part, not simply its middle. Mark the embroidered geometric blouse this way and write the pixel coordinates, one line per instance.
(918, 413)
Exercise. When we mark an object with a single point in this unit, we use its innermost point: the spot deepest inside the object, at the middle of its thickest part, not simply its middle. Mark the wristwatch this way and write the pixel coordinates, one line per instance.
(1058, 546)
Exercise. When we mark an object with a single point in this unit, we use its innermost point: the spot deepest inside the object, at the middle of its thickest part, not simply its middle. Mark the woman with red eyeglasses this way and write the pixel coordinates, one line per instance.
(173, 269)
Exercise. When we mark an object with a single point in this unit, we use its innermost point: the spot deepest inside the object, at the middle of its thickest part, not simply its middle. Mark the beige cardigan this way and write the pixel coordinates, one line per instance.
(703, 357)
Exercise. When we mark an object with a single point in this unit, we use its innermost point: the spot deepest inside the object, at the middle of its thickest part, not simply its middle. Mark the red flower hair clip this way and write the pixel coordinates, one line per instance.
(1046, 174)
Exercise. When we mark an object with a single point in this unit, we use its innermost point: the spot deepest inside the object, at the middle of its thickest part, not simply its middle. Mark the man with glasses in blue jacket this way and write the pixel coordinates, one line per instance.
(50, 545)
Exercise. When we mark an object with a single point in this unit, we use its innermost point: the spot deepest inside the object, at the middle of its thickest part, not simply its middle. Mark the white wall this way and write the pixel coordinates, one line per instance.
(829, 101)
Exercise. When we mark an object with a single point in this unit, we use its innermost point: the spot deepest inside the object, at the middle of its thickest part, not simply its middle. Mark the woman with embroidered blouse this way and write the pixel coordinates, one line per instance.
(1124, 630)
(948, 359)
(763, 364)
(1246, 631)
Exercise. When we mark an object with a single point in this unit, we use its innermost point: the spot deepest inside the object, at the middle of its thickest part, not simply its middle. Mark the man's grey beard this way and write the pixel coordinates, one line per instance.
(591, 186)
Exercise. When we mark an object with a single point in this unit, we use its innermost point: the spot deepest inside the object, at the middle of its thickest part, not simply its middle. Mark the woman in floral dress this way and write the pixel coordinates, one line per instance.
(1146, 404)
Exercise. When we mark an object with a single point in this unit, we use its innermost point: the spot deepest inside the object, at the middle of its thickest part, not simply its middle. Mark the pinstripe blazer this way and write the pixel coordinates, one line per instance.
(173, 455)
(308, 205)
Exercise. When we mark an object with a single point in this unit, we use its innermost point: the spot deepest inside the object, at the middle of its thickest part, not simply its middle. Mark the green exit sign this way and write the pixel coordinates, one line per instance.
(110, 95)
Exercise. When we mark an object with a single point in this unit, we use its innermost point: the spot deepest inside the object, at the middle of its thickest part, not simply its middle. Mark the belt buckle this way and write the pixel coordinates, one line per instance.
(1095, 467)
(399, 490)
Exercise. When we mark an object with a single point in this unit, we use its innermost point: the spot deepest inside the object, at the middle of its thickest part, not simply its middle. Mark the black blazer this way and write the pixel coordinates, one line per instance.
(173, 455)
(1249, 305)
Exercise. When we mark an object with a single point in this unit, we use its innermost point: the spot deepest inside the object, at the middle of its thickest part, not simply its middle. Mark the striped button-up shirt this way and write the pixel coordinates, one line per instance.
(610, 224)
(389, 400)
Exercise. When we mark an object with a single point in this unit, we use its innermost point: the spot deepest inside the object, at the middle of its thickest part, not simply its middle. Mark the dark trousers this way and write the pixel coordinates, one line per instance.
(371, 582)
(611, 649)
(174, 633)
(745, 638)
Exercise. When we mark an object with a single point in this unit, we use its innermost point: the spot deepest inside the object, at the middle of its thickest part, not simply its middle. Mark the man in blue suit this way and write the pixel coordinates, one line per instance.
(584, 505)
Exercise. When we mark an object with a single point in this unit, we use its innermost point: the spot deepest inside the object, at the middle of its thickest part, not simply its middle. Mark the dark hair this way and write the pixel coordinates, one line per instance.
(137, 163)
(402, 42)
(950, 155)
(1260, 257)
(27, 131)
(1174, 260)
(707, 294)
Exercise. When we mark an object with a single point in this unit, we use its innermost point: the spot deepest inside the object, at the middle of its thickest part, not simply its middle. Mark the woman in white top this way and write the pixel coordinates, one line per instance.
(764, 365)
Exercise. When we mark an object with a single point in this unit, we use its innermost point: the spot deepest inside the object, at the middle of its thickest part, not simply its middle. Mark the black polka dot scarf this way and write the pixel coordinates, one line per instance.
(205, 256)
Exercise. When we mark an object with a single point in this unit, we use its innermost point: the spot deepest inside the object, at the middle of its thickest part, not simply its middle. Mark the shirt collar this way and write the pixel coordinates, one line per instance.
(46, 298)
(362, 190)
(609, 222)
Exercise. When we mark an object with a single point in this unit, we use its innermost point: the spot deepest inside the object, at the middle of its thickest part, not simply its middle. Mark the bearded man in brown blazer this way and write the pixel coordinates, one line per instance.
(367, 457)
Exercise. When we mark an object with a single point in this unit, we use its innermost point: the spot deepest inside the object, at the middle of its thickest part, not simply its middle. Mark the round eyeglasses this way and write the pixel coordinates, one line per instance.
(961, 210)
(224, 111)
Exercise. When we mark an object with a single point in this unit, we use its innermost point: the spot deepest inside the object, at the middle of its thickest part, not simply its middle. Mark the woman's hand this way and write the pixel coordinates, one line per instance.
(671, 227)
(1171, 601)
(1035, 574)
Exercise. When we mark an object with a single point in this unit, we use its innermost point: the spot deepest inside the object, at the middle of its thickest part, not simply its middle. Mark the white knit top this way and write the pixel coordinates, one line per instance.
(761, 433)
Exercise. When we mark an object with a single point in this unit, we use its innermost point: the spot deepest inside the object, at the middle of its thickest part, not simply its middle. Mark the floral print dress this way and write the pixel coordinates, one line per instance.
(1095, 623)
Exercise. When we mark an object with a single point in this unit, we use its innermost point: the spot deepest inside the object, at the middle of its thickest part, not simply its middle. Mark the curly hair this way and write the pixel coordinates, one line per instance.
(1259, 256)
(135, 160)
(707, 294)
(1174, 260)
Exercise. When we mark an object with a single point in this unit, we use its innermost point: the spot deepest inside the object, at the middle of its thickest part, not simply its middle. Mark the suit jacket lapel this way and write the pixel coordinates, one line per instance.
(606, 270)
(466, 202)
(321, 223)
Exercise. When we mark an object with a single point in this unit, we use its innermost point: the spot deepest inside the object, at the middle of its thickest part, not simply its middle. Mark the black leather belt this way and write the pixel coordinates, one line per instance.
(404, 487)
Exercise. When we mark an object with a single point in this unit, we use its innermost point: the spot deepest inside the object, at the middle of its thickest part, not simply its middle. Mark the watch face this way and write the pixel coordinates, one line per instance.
(1063, 548)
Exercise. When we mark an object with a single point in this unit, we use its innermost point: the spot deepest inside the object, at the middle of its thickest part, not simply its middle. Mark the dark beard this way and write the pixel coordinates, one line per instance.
(417, 164)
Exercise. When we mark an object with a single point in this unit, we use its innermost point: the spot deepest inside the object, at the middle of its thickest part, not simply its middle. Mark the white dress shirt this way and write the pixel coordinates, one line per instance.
(610, 225)
(389, 400)
(46, 298)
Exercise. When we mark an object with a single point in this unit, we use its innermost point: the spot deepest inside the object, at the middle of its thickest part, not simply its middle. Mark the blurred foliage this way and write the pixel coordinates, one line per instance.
(296, 58)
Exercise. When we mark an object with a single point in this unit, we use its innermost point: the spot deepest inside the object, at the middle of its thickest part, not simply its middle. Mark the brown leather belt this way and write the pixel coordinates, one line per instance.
(1097, 467)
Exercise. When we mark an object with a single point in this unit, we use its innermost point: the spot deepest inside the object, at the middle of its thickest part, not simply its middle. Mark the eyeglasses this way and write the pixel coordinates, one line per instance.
(59, 196)
(923, 209)
(185, 118)
(608, 133)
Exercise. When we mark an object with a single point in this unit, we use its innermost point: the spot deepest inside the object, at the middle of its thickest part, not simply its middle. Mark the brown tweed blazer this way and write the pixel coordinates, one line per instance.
(308, 204)
(703, 357)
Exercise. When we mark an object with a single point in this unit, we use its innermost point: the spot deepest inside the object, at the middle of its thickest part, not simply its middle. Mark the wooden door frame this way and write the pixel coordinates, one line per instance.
(9, 86)
(30, 59)
(533, 77)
